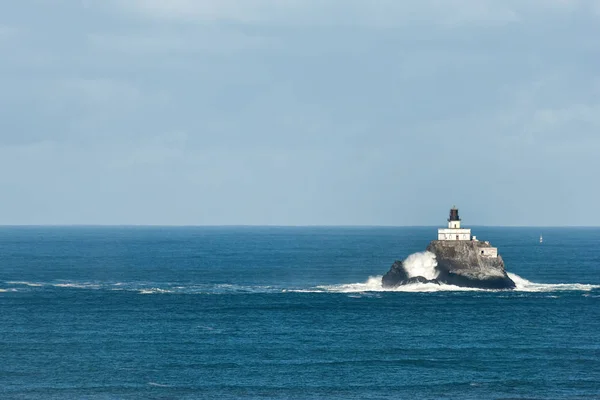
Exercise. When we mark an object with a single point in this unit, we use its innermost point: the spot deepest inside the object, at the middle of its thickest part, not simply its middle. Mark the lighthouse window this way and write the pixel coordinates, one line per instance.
(457, 237)
(481, 251)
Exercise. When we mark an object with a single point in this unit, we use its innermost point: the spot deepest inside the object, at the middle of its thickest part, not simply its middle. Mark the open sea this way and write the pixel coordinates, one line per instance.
(290, 313)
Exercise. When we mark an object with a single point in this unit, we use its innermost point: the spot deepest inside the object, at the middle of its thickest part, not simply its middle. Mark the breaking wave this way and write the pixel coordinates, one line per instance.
(373, 284)
(23, 283)
(154, 291)
(83, 285)
(421, 264)
(161, 385)
(418, 264)
(523, 285)
(140, 287)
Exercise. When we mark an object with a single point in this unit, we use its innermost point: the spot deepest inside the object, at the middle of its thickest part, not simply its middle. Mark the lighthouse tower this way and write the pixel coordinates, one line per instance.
(454, 220)
(454, 231)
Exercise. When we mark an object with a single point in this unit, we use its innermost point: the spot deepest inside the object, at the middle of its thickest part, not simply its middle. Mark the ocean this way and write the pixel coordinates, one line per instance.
(290, 313)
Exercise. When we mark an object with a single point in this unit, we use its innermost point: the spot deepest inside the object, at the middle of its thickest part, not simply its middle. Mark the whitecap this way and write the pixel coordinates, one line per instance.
(523, 285)
(154, 291)
(24, 283)
(158, 385)
(73, 285)
(373, 284)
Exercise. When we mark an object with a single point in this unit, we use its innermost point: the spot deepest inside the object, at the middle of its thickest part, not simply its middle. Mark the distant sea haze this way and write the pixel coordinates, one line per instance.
(291, 312)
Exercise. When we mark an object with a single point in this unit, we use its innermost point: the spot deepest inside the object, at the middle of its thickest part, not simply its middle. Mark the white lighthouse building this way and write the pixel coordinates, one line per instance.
(454, 231)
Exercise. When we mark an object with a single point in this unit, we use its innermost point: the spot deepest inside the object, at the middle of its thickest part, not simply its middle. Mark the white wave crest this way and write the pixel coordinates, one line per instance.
(12, 290)
(23, 283)
(154, 291)
(158, 385)
(523, 285)
(421, 264)
(373, 284)
(73, 285)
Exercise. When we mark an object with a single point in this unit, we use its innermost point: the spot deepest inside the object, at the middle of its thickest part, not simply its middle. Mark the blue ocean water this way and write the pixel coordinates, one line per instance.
(290, 313)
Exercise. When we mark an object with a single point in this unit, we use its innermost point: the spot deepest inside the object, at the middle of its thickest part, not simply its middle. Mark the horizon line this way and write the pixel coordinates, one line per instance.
(274, 226)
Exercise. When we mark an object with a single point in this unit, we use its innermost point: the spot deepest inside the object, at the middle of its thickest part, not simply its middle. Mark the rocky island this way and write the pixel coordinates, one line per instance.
(460, 260)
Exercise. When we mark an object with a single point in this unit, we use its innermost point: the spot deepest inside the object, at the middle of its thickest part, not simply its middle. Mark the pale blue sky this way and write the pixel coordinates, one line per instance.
(299, 112)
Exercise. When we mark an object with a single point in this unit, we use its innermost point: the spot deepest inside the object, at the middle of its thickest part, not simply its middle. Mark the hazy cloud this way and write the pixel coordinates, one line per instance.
(334, 12)
(299, 112)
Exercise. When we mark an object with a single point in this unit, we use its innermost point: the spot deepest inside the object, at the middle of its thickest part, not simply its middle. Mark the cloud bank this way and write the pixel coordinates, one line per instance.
(299, 112)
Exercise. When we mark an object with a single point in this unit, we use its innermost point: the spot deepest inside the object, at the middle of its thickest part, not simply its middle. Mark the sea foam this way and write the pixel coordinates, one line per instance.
(523, 285)
(421, 264)
(373, 284)
(23, 283)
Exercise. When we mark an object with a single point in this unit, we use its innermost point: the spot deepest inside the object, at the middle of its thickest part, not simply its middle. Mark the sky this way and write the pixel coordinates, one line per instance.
(299, 112)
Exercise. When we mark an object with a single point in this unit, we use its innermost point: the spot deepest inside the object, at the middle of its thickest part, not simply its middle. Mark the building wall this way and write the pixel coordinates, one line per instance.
(454, 234)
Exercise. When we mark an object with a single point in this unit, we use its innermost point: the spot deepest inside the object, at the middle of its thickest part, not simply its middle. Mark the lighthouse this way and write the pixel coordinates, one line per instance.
(454, 220)
(454, 231)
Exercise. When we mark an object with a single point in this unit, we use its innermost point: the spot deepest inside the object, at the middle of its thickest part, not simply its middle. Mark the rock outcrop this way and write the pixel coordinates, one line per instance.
(397, 275)
(460, 263)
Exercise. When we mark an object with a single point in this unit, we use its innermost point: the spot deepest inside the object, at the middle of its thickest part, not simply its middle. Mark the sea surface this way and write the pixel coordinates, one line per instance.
(290, 313)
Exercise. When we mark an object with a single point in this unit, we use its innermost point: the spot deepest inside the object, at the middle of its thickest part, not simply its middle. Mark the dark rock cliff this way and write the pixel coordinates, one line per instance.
(459, 263)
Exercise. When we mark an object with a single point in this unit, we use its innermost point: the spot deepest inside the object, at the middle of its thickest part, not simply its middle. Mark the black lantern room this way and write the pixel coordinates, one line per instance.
(454, 214)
